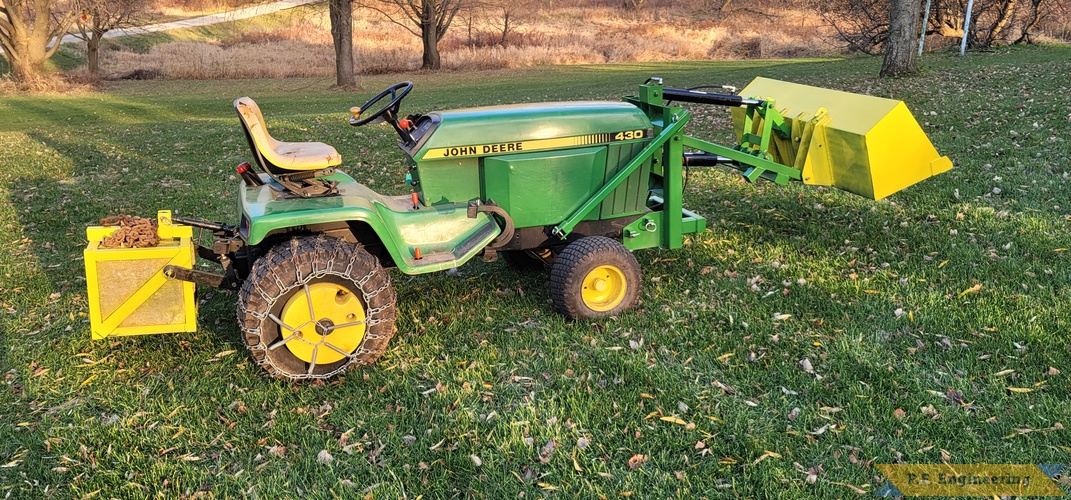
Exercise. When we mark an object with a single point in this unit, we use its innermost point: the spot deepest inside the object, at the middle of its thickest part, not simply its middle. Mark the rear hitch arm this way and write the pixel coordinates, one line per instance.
(226, 243)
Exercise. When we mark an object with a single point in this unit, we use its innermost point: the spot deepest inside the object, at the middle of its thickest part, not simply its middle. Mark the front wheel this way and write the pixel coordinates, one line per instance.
(595, 277)
(314, 307)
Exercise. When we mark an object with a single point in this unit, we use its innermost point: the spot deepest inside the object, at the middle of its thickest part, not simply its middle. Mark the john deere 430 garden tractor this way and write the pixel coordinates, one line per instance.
(572, 186)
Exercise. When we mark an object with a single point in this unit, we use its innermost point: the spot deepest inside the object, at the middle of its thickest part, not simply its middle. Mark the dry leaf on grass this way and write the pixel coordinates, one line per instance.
(547, 452)
(974, 289)
(324, 457)
(637, 461)
(930, 411)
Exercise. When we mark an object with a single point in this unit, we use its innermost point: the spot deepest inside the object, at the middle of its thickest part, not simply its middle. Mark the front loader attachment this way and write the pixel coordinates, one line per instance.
(868, 146)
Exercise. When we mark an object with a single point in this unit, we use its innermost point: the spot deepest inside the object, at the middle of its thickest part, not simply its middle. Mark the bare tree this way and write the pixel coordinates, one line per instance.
(426, 19)
(101, 16)
(1032, 21)
(507, 15)
(900, 46)
(341, 14)
(30, 31)
(862, 24)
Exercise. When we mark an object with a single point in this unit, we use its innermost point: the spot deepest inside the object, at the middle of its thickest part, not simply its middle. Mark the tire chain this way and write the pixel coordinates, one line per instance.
(133, 232)
(320, 244)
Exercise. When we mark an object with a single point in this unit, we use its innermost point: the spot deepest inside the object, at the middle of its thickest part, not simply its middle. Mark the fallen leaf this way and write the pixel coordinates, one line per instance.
(324, 457)
(637, 461)
(725, 388)
(856, 489)
(899, 413)
(547, 452)
(476, 460)
(974, 289)
(674, 420)
(1020, 390)
(821, 430)
(806, 365)
(930, 411)
(765, 455)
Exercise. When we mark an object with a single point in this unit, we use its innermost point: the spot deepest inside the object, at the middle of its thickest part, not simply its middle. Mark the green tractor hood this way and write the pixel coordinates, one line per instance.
(495, 130)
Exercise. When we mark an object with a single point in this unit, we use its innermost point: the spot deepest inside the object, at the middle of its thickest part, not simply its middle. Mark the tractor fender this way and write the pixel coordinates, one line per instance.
(417, 240)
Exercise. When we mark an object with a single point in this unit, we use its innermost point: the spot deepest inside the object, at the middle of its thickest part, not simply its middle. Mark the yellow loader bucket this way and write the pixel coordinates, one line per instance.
(865, 145)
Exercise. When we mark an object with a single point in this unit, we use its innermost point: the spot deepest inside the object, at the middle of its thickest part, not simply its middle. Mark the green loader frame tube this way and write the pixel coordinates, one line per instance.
(679, 119)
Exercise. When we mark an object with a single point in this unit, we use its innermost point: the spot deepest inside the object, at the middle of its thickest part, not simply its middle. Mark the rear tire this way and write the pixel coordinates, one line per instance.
(314, 307)
(595, 277)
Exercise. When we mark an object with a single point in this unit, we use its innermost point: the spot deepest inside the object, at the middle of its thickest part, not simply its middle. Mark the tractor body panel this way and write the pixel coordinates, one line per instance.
(538, 161)
(418, 240)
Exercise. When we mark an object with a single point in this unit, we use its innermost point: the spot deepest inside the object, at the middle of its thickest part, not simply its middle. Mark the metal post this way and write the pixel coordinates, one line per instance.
(966, 28)
(925, 24)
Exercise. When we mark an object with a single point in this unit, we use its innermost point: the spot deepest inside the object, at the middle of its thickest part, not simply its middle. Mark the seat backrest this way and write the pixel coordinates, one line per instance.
(256, 132)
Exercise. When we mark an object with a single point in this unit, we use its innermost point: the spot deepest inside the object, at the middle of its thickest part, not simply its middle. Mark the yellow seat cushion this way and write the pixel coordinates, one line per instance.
(284, 155)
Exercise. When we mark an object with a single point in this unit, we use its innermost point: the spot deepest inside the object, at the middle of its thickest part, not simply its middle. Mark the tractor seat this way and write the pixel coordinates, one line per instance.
(278, 157)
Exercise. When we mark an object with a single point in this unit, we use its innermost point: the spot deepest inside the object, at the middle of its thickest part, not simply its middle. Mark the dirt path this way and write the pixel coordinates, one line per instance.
(223, 17)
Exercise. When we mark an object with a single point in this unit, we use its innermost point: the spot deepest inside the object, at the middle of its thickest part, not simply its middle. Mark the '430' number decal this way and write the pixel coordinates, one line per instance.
(631, 134)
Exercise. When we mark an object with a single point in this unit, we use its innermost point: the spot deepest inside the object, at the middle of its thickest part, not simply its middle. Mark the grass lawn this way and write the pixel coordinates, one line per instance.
(806, 336)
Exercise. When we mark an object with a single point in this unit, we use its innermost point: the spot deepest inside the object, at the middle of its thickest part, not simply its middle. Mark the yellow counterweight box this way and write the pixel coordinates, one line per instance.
(128, 292)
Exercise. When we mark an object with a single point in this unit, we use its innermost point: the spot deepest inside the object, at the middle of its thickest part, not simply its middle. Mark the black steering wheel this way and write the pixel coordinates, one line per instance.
(389, 112)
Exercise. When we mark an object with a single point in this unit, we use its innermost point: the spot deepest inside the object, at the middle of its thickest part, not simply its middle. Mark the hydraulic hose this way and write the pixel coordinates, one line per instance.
(685, 95)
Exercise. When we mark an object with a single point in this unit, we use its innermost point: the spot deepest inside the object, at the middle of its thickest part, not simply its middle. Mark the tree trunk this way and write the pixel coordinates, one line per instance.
(93, 53)
(430, 36)
(1005, 13)
(505, 29)
(27, 61)
(25, 38)
(900, 46)
(341, 14)
(1035, 18)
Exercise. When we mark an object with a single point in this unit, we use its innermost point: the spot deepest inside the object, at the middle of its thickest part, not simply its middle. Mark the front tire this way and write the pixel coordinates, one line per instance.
(595, 277)
(314, 307)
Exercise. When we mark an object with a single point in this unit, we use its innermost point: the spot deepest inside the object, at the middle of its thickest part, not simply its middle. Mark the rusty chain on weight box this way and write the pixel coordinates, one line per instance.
(133, 232)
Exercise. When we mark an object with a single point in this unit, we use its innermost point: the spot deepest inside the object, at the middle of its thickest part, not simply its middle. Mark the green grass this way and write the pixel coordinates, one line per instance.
(188, 414)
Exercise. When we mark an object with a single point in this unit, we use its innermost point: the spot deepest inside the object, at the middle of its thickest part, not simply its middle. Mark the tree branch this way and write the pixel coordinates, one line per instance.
(391, 19)
(57, 34)
(442, 27)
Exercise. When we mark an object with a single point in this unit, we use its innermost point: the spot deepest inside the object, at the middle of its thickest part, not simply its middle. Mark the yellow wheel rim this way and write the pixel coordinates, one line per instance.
(324, 322)
(604, 288)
